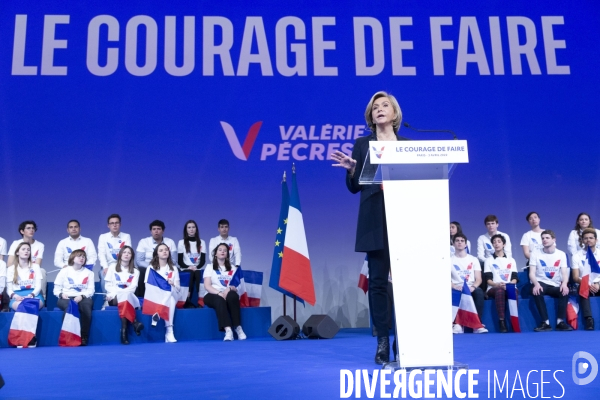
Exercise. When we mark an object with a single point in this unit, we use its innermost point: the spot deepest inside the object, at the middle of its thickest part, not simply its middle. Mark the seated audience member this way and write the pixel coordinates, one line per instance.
(580, 268)
(3, 249)
(162, 262)
(575, 242)
(109, 246)
(74, 242)
(532, 240)
(467, 268)
(2, 283)
(192, 257)
(122, 277)
(499, 270)
(454, 229)
(232, 242)
(75, 282)
(549, 275)
(222, 297)
(27, 229)
(484, 243)
(145, 251)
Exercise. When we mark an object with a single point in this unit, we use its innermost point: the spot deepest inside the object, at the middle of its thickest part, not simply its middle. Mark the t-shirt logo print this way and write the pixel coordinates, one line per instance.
(29, 282)
(503, 273)
(462, 273)
(114, 252)
(121, 284)
(79, 287)
(550, 271)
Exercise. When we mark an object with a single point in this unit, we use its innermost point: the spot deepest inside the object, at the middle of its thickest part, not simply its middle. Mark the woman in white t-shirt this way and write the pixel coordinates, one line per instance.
(163, 265)
(191, 252)
(26, 282)
(221, 296)
(575, 242)
(122, 277)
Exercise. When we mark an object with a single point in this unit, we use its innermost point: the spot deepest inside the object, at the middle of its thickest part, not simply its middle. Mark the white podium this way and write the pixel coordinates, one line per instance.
(415, 178)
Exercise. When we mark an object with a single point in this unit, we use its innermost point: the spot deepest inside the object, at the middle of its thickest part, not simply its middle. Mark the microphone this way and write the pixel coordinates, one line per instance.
(430, 130)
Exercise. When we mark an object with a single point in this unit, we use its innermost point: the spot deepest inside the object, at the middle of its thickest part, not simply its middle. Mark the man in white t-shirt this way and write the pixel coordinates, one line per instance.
(466, 267)
(549, 275)
(581, 268)
(532, 240)
(109, 246)
(27, 229)
(235, 251)
(75, 242)
(484, 243)
(145, 249)
(3, 249)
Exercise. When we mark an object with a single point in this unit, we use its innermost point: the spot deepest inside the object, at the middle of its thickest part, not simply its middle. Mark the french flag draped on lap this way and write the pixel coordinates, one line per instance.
(456, 296)
(202, 293)
(249, 287)
(363, 278)
(589, 273)
(467, 313)
(296, 274)
(24, 323)
(513, 306)
(70, 334)
(157, 295)
(184, 288)
(127, 305)
(572, 311)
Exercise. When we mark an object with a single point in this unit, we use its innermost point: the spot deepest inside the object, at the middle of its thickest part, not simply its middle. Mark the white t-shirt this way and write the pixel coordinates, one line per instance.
(28, 278)
(235, 252)
(3, 247)
(145, 249)
(573, 242)
(116, 282)
(37, 249)
(219, 279)
(66, 246)
(485, 248)
(533, 240)
(580, 263)
(548, 266)
(74, 283)
(501, 269)
(465, 269)
(453, 250)
(2, 276)
(109, 247)
(193, 257)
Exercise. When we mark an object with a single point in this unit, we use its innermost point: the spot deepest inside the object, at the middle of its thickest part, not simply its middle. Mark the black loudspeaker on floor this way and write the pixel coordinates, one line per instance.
(320, 326)
(284, 328)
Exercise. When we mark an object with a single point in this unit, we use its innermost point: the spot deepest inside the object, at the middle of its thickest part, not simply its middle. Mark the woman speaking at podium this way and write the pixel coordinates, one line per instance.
(383, 116)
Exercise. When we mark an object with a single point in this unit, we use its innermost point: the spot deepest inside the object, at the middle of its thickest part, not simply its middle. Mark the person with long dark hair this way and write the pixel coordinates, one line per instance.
(191, 252)
(163, 264)
(221, 296)
(455, 228)
(122, 277)
(575, 242)
(383, 116)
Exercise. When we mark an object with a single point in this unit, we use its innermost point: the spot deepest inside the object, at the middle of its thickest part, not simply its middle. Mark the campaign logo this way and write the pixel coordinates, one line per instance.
(114, 252)
(489, 247)
(378, 153)
(550, 272)
(579, 368)
(121, 284)
(78, 287)
(241, 151)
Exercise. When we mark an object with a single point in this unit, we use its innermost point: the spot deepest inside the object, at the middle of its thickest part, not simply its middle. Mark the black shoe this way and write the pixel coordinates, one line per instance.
(84, 341)
(383, 350)
(32, 343)
(124, 336)
(562, 326)
(138, 327)
(543, 327)
(502, 327)
(589, 324)
(189, 304)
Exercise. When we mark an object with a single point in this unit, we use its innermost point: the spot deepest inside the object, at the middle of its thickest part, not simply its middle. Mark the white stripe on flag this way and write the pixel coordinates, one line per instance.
(295, 237)
(513, 308)
(253, 290)
(71, 324)
(467, 303)
(23, 321)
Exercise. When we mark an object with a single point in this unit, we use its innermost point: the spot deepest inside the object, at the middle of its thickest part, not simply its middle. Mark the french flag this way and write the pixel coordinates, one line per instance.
(249, 287)
(590, 275)
(296, 274)
(363, 279)
(157, 295)
(202, 292)
(184, 288)
(572, 311)
(463, 307)
(513, 306)
(70, 333)
(127, 305)
(24, 323)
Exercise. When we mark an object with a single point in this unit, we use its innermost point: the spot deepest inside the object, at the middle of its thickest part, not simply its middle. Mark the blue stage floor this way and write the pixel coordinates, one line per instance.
(267, 369)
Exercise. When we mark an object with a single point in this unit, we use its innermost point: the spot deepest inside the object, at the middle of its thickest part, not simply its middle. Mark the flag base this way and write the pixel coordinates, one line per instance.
(395, 366)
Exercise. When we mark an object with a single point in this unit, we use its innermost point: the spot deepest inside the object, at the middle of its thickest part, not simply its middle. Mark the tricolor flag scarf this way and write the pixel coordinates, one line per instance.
(24, 323)
(513, 306)
(70, 333)
(158, 292)
(463, 308)
(249, 287)
(127, 305)
(590, 274)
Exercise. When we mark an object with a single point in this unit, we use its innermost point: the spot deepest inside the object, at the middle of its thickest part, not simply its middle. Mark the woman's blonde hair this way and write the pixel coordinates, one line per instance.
(395, 106)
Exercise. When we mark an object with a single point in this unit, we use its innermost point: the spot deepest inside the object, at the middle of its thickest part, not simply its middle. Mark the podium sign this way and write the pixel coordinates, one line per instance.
(416, 194)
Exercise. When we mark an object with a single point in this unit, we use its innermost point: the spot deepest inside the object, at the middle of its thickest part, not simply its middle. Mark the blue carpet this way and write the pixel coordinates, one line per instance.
(263, 368)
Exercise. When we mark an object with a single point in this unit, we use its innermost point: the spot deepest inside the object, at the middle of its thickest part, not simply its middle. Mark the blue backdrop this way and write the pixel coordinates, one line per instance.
(113, 107)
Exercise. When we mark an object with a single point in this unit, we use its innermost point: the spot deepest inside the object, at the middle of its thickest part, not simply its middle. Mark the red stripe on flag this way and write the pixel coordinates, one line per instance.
(296, 276)
(572, 316)
(515, 323)
(468, 319)
(254, 302)
(363, 283)
(244, 302)
(126, 310)
(584, 287)
(201, 301)
(68, 339)
(180, 304)
(151, 308)
(19, 338)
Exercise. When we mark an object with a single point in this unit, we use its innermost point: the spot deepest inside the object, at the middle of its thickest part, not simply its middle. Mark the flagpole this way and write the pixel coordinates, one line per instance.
(284, 302)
